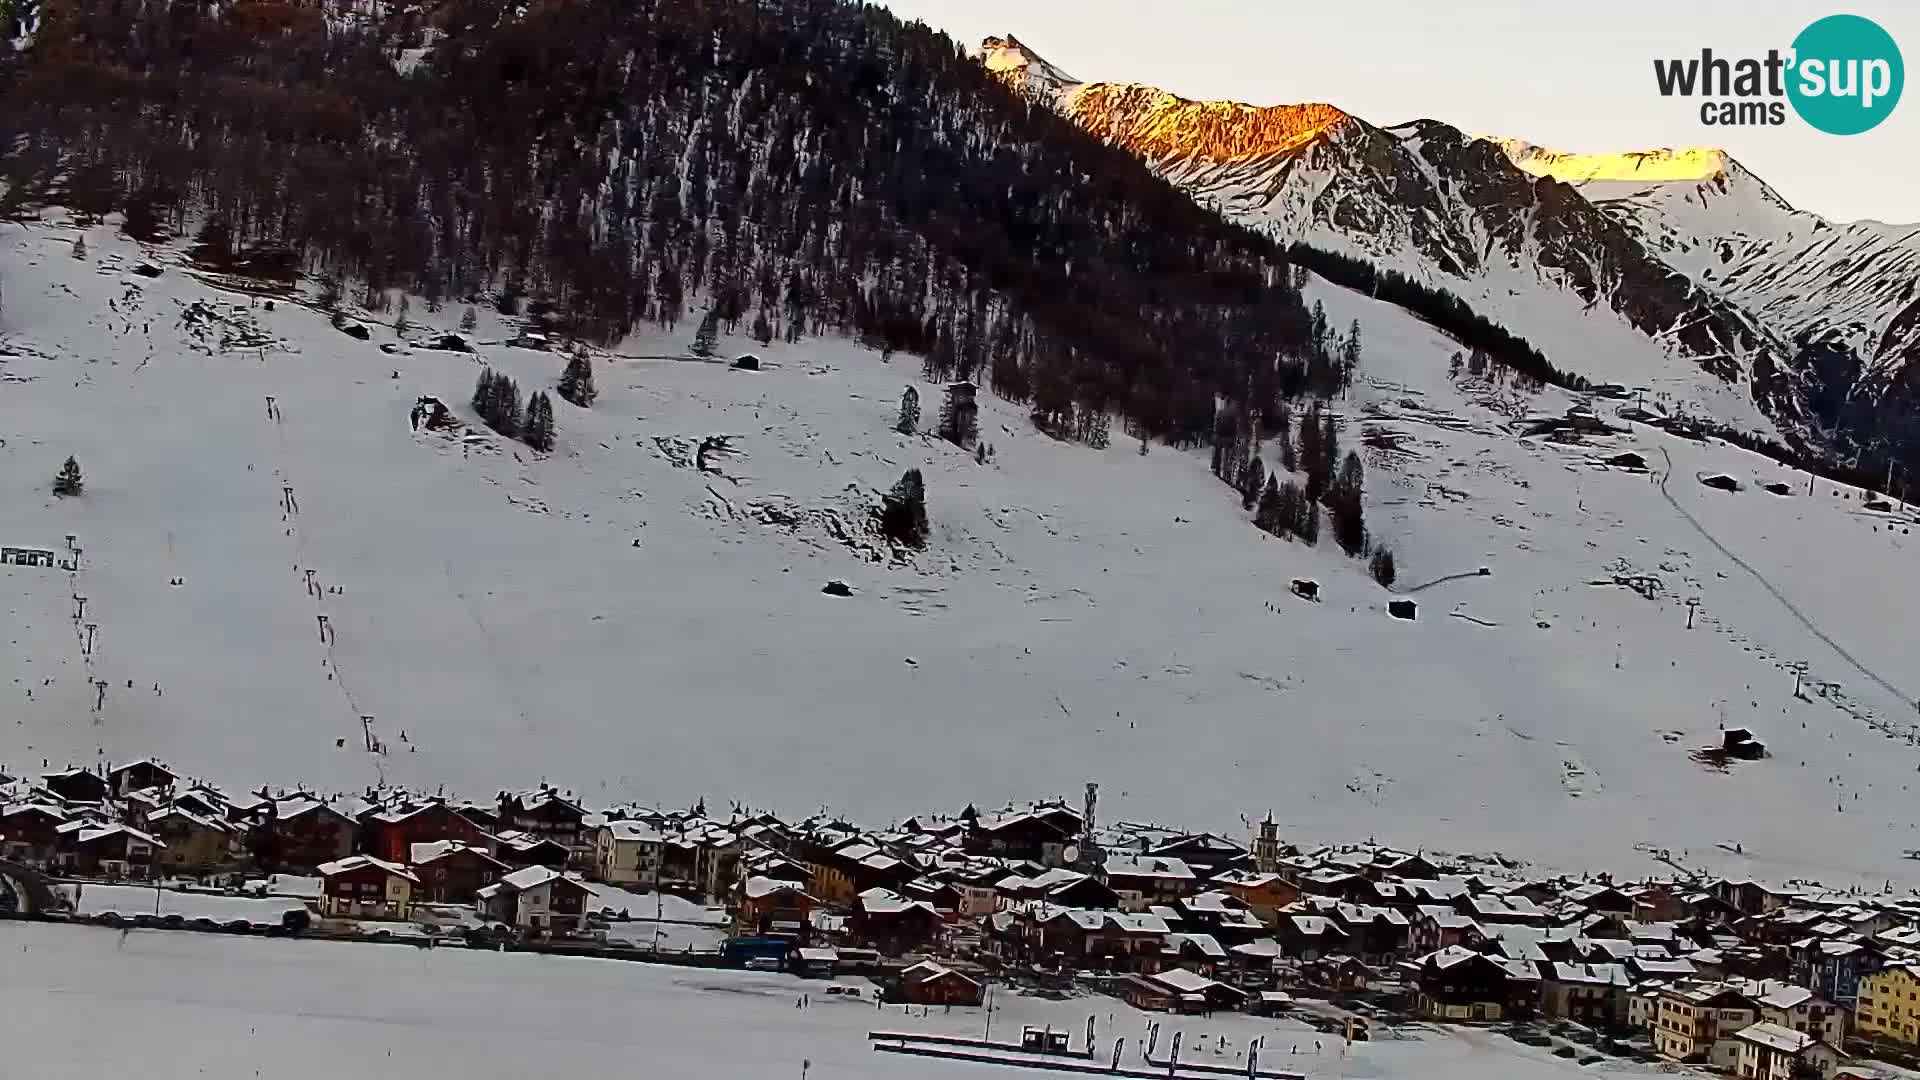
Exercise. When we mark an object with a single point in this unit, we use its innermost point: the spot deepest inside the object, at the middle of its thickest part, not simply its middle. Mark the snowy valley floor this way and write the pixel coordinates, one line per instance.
(84, 1004)
(613, 620)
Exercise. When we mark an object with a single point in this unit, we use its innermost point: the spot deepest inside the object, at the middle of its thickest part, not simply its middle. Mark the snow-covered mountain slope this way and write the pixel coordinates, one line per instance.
(1847, 294)
(613, 620)
(1452, 212)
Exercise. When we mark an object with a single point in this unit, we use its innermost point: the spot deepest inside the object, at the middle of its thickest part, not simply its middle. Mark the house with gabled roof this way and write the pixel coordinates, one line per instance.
(1144, 880)
(1768, 1051)
(96, 849)
(77, 785)
(1463, 985)
(29, 830)
(453, 871)
(892, 923)
(301, 832)
(192, 840)
(932, 983)
(537, 898)
(363, 887)
(546, 813)
(139, 775)
(391, 831)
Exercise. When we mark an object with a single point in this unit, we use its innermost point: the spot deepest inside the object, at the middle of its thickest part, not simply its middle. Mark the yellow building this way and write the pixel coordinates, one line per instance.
(1889, 1006)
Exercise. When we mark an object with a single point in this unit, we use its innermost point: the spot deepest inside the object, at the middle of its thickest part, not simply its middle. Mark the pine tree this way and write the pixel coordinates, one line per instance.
(909, 421)
(762, 329)
(1290, 511)
(1269, 517)
(508, 407)
(903, 511)
(469, 319)
(706, 340)
(68, 481)
(400, 320)
(486, 395)
(1382, 568)
(1287, 459)
(1310, 523)
(1345, 510)
(538, 430)
(1253, 479)
(576, 382)
(960, 415)
(1350, 354)
(79, 247)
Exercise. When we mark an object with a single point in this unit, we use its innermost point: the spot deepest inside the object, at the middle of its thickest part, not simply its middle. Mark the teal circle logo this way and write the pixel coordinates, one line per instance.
(1847, 75)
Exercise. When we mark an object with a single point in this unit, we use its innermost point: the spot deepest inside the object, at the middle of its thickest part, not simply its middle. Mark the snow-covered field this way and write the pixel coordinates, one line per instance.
(83, 1004)
(612, 620)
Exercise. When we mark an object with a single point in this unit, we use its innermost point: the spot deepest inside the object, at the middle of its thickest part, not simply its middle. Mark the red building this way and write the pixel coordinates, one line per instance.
(391, 833)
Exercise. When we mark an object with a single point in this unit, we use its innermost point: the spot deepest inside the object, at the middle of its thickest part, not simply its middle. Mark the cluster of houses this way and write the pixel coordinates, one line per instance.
(1731, 974)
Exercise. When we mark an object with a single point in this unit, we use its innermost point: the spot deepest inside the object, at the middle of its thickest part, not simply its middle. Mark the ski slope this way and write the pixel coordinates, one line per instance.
(86, 1004)
(613, 620)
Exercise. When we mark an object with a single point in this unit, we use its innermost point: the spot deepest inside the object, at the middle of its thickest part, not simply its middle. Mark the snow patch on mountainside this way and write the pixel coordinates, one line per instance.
(1666, 164)
(613, 618)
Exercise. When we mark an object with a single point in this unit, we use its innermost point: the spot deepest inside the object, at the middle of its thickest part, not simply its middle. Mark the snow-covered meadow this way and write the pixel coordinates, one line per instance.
(613, 620)
(87, 1004)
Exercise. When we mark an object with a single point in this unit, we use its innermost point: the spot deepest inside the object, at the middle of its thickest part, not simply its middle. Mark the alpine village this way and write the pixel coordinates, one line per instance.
(1727, 975)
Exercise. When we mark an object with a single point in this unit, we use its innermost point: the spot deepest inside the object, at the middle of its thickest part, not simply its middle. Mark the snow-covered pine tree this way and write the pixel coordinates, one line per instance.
(1268, 516)
(706, 340)
(507, 411)
(486, 396)
(909, 421)
(537, 432)
(903, 511)
(1253, 479)
(68, 481)
(1382, 568)
(576, 382)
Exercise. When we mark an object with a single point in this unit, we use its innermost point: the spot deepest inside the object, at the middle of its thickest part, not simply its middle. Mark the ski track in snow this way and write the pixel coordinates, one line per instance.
(1079, 615)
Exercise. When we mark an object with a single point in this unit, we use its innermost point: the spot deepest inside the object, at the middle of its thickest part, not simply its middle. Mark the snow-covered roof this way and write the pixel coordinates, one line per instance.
(1450, 956)
(879, 901)
(1787, 997)
(1183, 981)
(1775, 1037)
(532, 877)
(1160, 867)
(758, 887)
(361, 862)
(1316, 924)
(632, 832)
(431, 850)
(1206, 943)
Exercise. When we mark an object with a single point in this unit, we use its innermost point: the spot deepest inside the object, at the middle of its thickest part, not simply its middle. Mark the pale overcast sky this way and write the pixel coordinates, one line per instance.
(1574, 76)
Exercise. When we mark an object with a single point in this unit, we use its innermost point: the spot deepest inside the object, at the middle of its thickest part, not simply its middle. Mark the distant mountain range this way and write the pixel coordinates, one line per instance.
(1678, 272)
